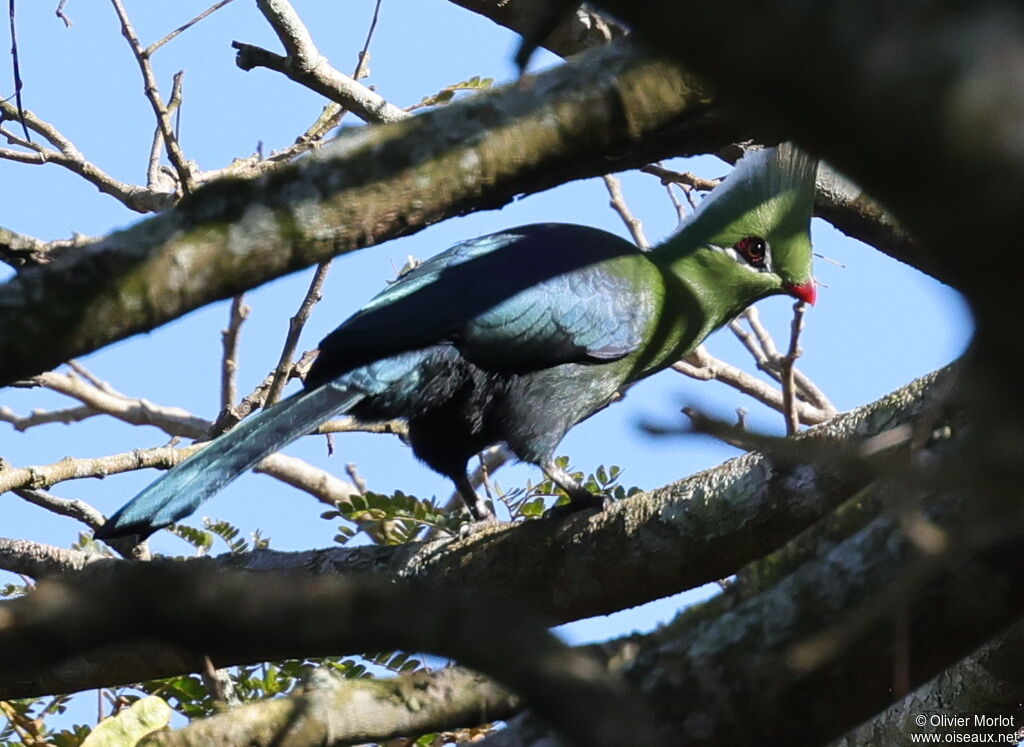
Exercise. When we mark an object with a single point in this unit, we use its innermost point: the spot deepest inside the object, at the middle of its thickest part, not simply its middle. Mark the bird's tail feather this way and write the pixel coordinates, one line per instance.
(180, 491)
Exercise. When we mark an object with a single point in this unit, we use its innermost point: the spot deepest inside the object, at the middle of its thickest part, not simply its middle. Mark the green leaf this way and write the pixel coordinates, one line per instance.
(446, 94)
(131, 724)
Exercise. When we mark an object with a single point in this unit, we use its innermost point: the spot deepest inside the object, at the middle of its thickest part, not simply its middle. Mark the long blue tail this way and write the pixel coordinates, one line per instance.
(180, 491)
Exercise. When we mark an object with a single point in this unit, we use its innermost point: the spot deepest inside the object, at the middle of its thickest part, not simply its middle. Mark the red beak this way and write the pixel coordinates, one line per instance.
(808, 292)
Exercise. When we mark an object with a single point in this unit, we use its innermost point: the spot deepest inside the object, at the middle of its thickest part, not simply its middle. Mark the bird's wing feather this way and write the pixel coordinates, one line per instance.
(178, 493)
(525, 298)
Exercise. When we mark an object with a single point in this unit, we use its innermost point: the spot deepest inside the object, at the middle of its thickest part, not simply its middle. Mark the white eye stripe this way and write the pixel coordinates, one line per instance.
(742, 261)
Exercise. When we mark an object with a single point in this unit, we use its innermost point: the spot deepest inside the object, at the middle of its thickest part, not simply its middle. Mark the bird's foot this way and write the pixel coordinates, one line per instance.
(477, 525)
(582, 500)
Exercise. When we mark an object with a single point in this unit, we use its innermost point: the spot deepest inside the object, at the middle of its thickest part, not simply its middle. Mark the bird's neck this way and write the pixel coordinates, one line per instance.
(703, 290)
(721, 287)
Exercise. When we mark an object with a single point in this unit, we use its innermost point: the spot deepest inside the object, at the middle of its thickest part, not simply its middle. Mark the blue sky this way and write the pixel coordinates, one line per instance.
(877, 324)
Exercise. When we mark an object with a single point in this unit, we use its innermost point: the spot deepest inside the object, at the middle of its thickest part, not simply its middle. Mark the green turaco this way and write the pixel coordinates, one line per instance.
(517, 336)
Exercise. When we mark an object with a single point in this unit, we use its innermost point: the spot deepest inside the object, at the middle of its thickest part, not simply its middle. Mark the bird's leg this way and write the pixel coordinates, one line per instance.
(477, 506)
(579, 497)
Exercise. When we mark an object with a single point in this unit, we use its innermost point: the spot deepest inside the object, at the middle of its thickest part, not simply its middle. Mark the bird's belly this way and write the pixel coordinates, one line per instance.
(541, 407)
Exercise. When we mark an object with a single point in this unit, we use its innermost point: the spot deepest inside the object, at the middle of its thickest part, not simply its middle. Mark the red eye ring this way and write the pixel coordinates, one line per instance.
(753, 249)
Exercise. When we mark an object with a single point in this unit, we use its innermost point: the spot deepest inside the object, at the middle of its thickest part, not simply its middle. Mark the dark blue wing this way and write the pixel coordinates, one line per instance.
(521, 299)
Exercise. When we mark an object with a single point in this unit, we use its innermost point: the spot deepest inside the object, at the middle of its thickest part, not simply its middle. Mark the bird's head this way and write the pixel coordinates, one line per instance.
(759, 217)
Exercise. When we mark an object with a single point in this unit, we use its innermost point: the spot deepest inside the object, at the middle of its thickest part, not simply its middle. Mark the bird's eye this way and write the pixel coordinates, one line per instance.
(753, 249)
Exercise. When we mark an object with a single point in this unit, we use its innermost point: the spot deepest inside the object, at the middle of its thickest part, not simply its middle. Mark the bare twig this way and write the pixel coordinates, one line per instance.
(229, 364)
(44, 417)
(174, 421)
(700, 364)
(17, 70)
(154, 172)
(67, 155)
(61, 15)
(47, 475)
(254, 400)
(101, 398)
(185, 27)
(683, 178)
(349, 424)
(353, 474)
(788, 363)
(764, 337)
(304, 64)
(101, 384)
(174, 152)
(766, 354)
(618, 204)
(70, 507)
(295, 325)
(363, 65)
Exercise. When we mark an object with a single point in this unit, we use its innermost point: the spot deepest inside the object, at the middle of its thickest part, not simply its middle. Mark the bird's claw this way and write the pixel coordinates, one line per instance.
(476, 526)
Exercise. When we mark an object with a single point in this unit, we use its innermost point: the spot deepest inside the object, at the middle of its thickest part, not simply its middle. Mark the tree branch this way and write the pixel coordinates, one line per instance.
(369, 185)
(305, 65)
(39, 561)
(242, 613)
(355, 711)
(138, 198)
(695, 531)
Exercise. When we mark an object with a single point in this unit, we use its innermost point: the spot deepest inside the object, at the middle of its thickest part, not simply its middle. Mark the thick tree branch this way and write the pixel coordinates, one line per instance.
(286, 614)
(355, 711)
(695, 531)
(370, 185)
(988, 682)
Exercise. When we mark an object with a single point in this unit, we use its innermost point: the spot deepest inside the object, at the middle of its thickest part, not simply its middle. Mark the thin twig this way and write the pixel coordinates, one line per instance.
(682, 178)
(701, 365)
(788, 362)
(185, 27)
(66, 416)
(618, 204)
(174, 152)
(174, 421)
(17, 71)
(96, 381)
(229, 363)
(70, 507)
(135, 197)
(232, 415)
(363, 64)
(353, 474)
(61, 15)
(153, 172)
(762, 347)
(305, 65)
(295, 325)
(676, 202)
(333, 113)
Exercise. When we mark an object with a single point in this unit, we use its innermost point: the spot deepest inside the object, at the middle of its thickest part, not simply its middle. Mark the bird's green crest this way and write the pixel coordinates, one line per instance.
(769, 194)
